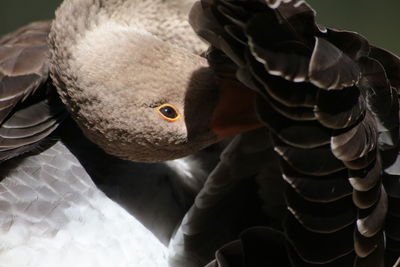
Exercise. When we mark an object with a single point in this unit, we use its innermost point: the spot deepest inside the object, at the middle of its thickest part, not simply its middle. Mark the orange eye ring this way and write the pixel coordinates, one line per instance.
(168, 112)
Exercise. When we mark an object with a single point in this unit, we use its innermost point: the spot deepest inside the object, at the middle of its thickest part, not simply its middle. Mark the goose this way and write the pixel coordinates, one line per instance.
(152, 98)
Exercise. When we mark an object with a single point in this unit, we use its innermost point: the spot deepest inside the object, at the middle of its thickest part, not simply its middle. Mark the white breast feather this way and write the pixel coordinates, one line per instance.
(51, 214)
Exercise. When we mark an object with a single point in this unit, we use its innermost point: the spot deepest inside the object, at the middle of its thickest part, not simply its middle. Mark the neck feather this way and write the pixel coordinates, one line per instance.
(75, 19)
(167, 20)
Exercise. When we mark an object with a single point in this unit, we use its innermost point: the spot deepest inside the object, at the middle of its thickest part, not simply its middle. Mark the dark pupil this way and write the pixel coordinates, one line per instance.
(168, 112)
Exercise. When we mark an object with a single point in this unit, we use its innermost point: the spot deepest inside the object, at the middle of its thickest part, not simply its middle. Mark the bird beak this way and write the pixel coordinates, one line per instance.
(235, 110)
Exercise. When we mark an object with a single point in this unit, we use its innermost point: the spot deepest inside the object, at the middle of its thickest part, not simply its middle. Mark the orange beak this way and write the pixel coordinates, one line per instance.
(235, 110)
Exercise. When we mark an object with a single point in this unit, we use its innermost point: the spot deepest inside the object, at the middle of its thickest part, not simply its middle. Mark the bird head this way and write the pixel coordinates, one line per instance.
(133, 90)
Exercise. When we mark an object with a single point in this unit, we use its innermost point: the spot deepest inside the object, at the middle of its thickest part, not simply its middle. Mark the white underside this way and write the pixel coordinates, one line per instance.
(51, 214)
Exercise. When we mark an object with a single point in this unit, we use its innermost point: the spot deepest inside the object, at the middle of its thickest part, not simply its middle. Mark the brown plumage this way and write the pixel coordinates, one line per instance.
(29, 107)
(330, 100)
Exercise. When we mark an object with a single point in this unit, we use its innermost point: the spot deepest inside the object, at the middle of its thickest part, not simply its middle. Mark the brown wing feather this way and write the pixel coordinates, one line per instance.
(328, 98)
(29, 107)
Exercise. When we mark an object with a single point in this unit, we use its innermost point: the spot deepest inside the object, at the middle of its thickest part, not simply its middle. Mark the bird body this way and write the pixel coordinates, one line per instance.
(319, 107)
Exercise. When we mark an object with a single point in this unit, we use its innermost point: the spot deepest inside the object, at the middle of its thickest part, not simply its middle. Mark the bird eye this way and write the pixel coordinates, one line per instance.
(168, 112)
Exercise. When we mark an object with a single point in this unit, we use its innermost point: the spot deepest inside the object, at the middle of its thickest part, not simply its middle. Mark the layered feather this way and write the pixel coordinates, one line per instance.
(29, 107)
(330, 100)
(230, 201)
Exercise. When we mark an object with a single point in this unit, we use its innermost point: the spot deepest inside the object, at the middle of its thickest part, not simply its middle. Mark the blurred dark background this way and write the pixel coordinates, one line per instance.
(16, 13)
(377, 20)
